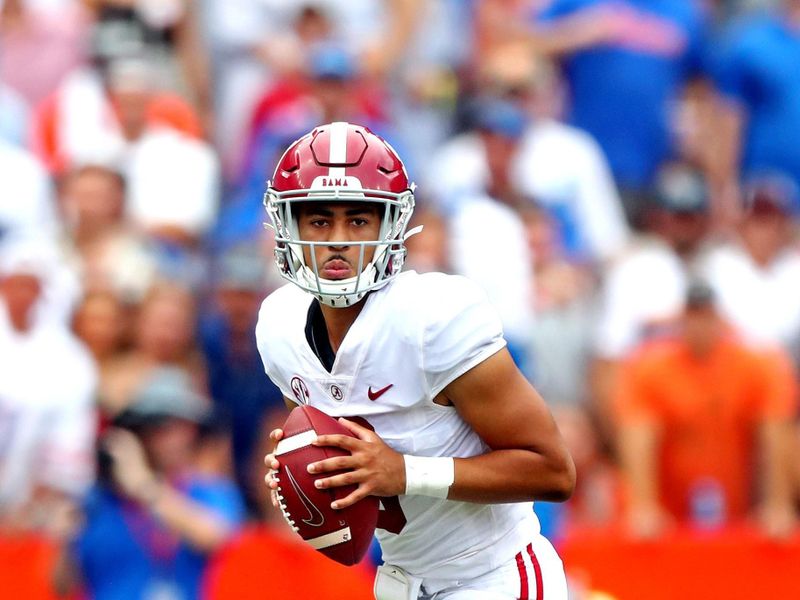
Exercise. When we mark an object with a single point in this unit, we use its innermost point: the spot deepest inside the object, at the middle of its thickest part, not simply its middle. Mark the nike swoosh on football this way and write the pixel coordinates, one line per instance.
(377, 394)
(315, 516)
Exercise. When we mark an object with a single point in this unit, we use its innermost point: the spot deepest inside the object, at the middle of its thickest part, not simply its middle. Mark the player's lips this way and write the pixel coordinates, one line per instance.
(336, 269)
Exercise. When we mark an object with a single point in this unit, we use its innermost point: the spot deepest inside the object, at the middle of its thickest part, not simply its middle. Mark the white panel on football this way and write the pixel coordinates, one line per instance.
(330, 539)
(296, 441)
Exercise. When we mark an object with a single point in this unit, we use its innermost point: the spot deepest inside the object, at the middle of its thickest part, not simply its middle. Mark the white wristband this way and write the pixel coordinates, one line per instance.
(428, 475)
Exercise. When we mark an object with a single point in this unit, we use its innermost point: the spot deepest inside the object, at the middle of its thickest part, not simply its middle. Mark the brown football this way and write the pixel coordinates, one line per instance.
(343, 535)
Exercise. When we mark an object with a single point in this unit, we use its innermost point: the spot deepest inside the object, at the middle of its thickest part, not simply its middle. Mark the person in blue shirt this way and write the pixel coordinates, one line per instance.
(236, 379)
(624, 85)
(160, 508)
(757, 73)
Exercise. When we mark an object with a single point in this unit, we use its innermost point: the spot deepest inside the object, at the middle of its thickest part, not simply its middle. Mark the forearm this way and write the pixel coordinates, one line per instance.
(513, 476)
(66, 577)
(638, 456)
(569, 34)
(194, 60)
(200, 527)
(777, 481)
(404, 17)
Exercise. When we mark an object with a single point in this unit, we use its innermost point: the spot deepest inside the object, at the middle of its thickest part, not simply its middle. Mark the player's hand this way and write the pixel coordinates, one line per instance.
(276, 435)
(373, 466)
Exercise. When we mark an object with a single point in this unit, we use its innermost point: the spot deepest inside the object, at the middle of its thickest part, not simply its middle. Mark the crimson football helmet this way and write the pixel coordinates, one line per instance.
(347, 163)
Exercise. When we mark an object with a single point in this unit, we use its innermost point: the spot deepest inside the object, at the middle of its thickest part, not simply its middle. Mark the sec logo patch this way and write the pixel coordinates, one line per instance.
(300, 390)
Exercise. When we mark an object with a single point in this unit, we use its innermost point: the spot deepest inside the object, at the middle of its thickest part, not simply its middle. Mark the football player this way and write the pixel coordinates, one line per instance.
(448, 433)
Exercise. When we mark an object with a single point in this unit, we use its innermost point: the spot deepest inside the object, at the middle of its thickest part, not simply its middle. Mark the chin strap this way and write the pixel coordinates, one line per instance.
(412, 231)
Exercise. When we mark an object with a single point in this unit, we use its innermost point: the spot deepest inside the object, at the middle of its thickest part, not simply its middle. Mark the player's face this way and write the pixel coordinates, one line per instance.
(339, 223)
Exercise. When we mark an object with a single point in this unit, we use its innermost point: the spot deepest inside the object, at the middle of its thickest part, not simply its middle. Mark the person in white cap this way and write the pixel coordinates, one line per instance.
(47, 388)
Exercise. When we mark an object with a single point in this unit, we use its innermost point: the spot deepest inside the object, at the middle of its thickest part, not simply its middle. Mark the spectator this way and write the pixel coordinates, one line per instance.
(494, 211)
(47, 420)
(420, 67)
(102, 323)
(759, 118)
(559, 166)
(102, 246)
(158, 511)
(756, 274)
(167, 35)
(253, 43)
(174, 186)
(41, 43)
(643, 291)
(561, 334)
(697, 412)
(428, 251)
(624, 85)
(235, 372)
(14, 117)
(329, 89)
(98, 114)
(164, 335)
(115, 116)
(26, 201)
(248, 35)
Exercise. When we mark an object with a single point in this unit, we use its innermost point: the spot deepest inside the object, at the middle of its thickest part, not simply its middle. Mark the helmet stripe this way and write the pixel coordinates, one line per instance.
(337, 152)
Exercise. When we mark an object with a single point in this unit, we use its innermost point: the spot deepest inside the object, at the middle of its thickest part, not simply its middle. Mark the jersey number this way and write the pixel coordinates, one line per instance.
(390, 517)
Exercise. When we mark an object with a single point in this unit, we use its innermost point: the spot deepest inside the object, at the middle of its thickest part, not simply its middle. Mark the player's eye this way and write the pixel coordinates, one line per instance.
(360, 222)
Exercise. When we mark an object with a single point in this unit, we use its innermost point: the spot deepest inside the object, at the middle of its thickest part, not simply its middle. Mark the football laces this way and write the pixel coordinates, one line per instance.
(281, 503)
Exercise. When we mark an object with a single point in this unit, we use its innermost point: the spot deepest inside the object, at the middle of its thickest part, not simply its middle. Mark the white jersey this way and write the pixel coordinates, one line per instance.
(413, 337)
(47, 416)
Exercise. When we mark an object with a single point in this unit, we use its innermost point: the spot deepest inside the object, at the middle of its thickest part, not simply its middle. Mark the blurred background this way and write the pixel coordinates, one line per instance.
(622, 176)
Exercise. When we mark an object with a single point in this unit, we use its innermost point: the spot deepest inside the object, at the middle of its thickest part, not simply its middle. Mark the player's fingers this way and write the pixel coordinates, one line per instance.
(340, 441)
(349, 478)
(275, 435)
(271, 462)
(333, 464)
(350, 499)
(361, 432)
(271, 478)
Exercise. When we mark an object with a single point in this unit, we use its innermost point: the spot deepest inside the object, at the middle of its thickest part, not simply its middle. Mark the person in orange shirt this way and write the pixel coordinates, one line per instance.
(705, 421)
(98, 114)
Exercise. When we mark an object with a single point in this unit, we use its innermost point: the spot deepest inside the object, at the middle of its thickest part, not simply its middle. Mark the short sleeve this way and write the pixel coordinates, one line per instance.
(462, 330)
(263, 344)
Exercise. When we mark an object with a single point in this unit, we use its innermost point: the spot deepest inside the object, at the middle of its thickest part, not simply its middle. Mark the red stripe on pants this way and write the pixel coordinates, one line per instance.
(537, 571)
(523, 577)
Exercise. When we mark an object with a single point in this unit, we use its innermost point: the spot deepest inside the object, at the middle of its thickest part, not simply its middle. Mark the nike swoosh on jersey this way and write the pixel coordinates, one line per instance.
(315, 516)
(377, 394)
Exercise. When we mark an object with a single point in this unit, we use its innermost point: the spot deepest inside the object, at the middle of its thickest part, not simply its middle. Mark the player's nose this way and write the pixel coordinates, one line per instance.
(339, 236)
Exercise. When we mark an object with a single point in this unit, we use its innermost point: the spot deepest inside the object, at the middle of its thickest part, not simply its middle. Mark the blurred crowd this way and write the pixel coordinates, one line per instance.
(622, 176)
